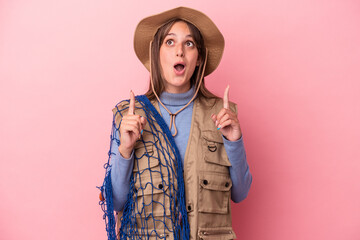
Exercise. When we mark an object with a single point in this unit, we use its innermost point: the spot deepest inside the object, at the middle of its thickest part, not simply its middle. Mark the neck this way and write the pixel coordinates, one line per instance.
(181, 89)
(177, 99)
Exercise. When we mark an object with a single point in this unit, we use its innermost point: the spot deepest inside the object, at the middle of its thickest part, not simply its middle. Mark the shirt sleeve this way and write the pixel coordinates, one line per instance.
(121, 169)
(239, 170)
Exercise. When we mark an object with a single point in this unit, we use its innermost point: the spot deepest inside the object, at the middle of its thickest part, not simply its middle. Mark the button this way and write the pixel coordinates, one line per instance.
(160, 186)
(205, 182)
(189, 206)
(227, 184)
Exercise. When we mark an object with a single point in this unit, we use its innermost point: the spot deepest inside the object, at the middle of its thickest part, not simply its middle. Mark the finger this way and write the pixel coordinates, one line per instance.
(131, 117)
(226, 97)
(131, 127)
(142, 123)
(134, 120)
(228, 115)
(222, 112)
(226, 123)
(132, 103)
(213, 117)
(218, 117)
(224, 118)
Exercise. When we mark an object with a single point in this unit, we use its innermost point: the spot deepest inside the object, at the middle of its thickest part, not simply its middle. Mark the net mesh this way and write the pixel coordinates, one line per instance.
(155, 206)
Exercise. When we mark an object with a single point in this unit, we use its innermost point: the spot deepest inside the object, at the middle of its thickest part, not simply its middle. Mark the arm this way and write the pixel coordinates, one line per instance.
(227, 122)
(121, 169)
(122, 154)
(239, 170)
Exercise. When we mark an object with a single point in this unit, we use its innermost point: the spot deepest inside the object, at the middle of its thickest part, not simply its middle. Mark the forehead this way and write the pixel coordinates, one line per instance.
(180, 28)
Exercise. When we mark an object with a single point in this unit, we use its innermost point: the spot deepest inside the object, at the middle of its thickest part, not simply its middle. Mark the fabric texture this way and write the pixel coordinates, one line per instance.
(218, 185)
(155, 206)
(122, 168)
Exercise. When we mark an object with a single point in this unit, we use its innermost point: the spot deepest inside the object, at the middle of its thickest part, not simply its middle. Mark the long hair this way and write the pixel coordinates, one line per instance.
(157, 79)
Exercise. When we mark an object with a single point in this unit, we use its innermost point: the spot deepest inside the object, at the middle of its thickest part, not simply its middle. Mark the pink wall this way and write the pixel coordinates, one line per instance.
(293, 68)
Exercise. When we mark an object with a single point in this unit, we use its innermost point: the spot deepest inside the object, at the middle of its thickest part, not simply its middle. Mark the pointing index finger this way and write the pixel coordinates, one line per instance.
(132, 103)
(226, 97)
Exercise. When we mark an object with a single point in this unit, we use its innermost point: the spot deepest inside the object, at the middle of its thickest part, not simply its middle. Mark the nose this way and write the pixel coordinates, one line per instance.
(179, 51)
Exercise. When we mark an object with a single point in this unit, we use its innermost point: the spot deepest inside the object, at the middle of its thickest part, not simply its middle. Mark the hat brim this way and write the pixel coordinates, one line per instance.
(147, 28)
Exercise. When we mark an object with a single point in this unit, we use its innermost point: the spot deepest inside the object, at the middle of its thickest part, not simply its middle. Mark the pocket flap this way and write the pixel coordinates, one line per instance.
(214, 149)
(156, 186)
(215, 182)
(219, 233)
(145, 157)
(152, 234)
(212, 136)
(141, 164)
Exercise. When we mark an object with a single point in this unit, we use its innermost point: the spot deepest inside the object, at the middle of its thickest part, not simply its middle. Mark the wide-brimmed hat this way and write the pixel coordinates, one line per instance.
(147, 28)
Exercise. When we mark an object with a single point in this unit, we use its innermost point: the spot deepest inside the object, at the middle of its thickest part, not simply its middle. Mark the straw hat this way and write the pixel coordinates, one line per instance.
(147, 28)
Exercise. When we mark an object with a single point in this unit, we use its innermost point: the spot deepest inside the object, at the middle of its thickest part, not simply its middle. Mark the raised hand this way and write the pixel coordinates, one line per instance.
(226, 120)
(130, 129)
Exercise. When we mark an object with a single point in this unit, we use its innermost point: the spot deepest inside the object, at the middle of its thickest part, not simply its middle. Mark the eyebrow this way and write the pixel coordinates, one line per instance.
(173, 34)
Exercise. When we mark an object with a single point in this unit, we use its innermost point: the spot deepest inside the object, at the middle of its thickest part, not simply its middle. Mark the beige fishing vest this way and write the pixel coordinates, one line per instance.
(206, 175)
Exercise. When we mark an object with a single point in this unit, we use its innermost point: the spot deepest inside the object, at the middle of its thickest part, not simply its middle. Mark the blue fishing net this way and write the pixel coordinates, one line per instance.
(155, 206)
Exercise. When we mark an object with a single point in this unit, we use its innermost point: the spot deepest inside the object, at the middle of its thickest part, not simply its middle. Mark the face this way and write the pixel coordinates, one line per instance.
(178, 58)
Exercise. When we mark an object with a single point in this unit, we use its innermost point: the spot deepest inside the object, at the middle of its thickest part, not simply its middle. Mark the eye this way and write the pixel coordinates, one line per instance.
(190, 44)
(169, 42)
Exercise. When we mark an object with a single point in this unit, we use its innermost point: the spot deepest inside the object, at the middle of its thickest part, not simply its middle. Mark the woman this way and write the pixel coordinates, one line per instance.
(177, 154)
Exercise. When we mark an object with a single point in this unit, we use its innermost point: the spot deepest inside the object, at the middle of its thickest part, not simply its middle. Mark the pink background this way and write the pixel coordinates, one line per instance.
(293, 68)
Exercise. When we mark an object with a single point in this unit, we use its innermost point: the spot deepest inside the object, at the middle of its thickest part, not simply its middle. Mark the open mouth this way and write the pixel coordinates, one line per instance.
(179, 67)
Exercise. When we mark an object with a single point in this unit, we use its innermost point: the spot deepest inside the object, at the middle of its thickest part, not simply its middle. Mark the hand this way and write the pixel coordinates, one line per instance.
(226, 120)
(130, 129)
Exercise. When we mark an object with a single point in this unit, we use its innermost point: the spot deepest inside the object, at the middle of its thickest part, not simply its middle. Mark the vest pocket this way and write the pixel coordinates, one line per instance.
(214, 193)
(152, 198)
(152, 208)
(145, 157)
(214, 150)
(221, 233)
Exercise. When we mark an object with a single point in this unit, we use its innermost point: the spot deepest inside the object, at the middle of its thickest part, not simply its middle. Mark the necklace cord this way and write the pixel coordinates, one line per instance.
(173, 115)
